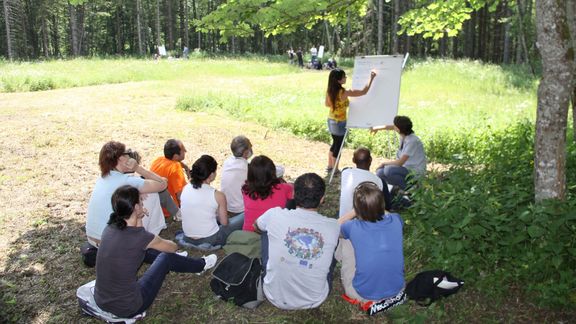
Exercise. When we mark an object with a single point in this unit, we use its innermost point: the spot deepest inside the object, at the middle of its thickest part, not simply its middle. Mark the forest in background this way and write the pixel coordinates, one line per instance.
(491, 31)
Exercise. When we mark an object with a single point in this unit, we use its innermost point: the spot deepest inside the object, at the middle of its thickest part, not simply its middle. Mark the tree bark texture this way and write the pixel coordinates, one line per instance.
(7, 18)
(380, 27)
(571, 15)
(554, 91)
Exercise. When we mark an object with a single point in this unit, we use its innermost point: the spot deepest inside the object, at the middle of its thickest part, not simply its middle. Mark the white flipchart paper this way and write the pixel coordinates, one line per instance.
(380, 105)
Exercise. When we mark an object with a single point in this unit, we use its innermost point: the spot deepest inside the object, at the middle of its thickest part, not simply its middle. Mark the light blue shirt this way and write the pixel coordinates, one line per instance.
(100, 205)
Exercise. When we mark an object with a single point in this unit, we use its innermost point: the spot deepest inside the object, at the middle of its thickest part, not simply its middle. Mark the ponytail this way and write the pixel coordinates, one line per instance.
(124, 199)
(117, 221)
(201, 170)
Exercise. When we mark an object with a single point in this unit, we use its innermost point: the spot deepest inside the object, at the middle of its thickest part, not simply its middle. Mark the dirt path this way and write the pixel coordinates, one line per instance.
(49, 143)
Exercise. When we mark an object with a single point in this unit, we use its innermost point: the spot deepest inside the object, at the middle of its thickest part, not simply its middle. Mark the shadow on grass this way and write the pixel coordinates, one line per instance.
(42, 271)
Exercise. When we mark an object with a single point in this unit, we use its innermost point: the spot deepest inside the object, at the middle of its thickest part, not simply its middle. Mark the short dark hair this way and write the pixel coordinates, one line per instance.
(261, 178)
(201, 170)
(309, 189)
(124, 199)
(171, 148)
(369, 202)
(239, 145)
(362, 158)
(109, 155)
(404, 125)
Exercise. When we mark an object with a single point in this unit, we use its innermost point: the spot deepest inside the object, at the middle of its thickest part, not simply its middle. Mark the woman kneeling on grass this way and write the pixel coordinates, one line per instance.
(124, 246)
(371, 252)
(203, 207)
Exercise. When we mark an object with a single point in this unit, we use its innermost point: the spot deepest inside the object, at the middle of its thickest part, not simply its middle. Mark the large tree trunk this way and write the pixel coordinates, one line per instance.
(571, 14)
(7, 18)
(55, 36)
(75, 50)
(506, 50)
(170, 23)
(45, 49)
(553, 96)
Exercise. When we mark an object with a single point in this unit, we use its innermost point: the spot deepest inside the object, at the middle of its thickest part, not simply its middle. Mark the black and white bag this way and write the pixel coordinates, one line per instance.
(429, 286)
(237, 278)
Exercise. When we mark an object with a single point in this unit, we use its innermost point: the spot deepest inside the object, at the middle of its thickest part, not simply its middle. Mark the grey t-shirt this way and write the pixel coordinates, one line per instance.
(412, 146)
(120, 254)
(301, 246)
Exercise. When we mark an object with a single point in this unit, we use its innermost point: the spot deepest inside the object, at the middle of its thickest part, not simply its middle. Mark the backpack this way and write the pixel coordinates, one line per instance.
(237, 278)
(88, 252)
(429, 286)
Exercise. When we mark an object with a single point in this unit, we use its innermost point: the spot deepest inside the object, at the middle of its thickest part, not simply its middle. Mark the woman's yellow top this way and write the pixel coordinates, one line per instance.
(339, 112)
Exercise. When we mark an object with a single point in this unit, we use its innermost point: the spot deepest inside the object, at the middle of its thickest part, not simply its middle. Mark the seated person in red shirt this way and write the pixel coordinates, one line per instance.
(262, 190)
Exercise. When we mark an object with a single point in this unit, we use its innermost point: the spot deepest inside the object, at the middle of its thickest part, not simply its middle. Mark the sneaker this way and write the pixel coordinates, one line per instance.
(210, 261)
(182, 253)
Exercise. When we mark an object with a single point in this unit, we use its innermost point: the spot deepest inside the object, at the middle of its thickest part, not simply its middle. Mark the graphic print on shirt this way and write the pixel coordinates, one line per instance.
(305, 244)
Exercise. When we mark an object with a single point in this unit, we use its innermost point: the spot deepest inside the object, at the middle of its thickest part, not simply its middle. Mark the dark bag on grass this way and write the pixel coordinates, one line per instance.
(429, 286)
(89, 253)
(237, 278)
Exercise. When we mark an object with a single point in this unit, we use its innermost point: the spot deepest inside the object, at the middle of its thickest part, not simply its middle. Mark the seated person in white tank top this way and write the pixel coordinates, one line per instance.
(204, 210)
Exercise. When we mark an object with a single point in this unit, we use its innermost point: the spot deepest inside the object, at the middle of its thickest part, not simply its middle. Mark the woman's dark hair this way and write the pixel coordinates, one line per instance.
(124, 199)
(109, 155)
(201, 170)
(369, 202)
(261, 178)
(334, 85)
(404, 125)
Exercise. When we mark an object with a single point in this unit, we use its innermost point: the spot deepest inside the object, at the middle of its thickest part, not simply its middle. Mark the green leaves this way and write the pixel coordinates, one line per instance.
(241, 17)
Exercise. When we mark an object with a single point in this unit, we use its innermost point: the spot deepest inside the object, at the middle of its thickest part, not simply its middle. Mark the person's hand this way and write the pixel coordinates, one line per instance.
(131, 165)
(373, 131)
(372, 74)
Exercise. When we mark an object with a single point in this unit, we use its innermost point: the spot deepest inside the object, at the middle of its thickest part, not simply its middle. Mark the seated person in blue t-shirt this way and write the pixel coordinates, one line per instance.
(371, 251)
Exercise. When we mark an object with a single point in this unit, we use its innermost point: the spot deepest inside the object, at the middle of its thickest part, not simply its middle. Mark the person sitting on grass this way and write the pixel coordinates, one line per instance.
(371, 253)
(234, 174)
(263, 190)
(124, 246)
(171, 167)
(298, 248)
(352, 177)
(410, 159)
(116, 164)
(203, 207)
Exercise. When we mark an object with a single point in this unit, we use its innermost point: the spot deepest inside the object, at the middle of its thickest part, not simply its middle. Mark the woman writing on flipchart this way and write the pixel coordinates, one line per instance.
(337, 101)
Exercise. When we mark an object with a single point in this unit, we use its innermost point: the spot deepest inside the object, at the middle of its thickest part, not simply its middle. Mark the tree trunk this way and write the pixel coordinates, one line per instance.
(45, 36)
(395, 17)
(521, 34)
(75, 51)
(553, 96)
(139, 27)
(380, 26)
(55, 36)
(170, 24)
(7, 17)
(158, 38)
(571, 15)
(507, 38)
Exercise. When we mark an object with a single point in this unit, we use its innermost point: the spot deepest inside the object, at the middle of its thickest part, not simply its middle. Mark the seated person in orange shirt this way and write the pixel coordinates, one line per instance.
(170, 166)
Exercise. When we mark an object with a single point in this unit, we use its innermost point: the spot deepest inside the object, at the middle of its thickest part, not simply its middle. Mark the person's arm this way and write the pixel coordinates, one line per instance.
(257, 229)
(152, 181)
(186, 170)
(397, 162)
(358, 93)
(376, 129)
(222, 207)
(346, 217)
(327, 101)
(162, 245)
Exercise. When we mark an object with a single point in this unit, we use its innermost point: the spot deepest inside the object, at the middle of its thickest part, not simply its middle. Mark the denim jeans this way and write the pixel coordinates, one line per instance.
(219, 238)
(264, 242)
(393, 175)
(162, 263)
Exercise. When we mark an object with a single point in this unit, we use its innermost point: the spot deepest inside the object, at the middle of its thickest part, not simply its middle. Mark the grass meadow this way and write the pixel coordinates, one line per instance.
(473, 215)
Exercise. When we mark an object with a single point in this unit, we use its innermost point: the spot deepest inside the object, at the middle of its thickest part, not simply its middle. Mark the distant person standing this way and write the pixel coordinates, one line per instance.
(337, 101)
(314, 53)
(291, 56)
(300, 57)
